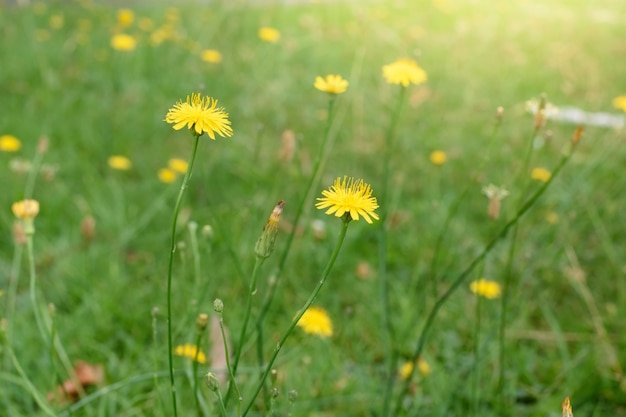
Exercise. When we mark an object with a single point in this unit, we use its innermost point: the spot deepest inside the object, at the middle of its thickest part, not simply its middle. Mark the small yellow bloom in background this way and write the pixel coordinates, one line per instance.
(167, 175)
(485, 288)
(404, 71)
(25, 209)
(540, 174)
(438, 157)
(349, 196)
(190, 351)
(56, 21)
(42, 35)
(121, 163)
(422, 366)
(316, 321)
(619, 102)
(125, 17)
(552, 217)
(146, 24)
(123, 42)
(269, 34)
(332, 84)
(212, 56)
(178, 165)
(9, 143)
(200, 114)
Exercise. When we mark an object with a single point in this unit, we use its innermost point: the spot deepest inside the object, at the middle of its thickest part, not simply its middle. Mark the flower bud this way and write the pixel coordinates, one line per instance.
(265, 245)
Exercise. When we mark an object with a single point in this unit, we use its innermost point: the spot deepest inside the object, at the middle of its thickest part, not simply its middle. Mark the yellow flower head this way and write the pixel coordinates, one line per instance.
(567, 408)
(25, 209)
(123, 42)
(167, 175)
(332, 84)
(121, 163)
(178, 165)
(316, 321)
(438, 157)
(56, 21)
(200, 114)
(422, 366)
(268, 34)
(125, 17)
(485, 288)
(9, 143)
(349, 196)
(620, 102)
(211, 56)
(190, 351)
(404, 71)
(540, 174)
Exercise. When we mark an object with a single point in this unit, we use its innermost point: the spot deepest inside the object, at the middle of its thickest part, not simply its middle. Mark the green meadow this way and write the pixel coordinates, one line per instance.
(91, 284)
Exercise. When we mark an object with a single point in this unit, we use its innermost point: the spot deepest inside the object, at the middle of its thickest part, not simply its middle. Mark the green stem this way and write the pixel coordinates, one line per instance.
(33, 290)
(195, 365)
(220, 403)
(231, 373)
(476, 367)
(463, 275)
(251, 292)
(382, 255)
(179, 200)
(294, 322)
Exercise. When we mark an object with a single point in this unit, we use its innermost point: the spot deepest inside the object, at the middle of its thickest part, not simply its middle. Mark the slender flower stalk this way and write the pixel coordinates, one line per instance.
(199, 115)
(202, 321)
(218, 306)
(524, 208)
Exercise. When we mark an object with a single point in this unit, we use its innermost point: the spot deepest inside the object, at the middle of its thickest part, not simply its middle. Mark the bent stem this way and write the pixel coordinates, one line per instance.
(463, 275)
(305, 307)
(179, 200)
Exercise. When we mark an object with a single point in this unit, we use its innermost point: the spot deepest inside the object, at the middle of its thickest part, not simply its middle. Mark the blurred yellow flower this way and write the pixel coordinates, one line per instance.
(485, 288)
(200, 114)
(56, 21)
(123, 42)
(540, 174)
(316, 321)
(42, 35)
(9, 143)
(167, 175)
(404, 71)
(552, 217)
(25, 209)
(125, 17)
(422, 366)
(211, 56)
(566, 408)
(177, 165)
(349, 196)
(620, 102)
(438, 157)
(332, 84)
(121, 163)
(190, 351)
(268, 34)
(146, 24)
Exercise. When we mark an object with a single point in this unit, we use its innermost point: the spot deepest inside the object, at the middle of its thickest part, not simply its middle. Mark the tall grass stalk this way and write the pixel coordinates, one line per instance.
(473, 264)
(179, 200)
(305, 307)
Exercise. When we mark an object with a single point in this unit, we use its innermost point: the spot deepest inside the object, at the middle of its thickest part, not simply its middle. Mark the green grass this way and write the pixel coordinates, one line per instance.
(93, 102)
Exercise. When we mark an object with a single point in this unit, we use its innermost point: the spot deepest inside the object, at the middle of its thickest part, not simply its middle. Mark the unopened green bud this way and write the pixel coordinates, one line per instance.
(265, 245)
(292, 395)
(212, 382)
(275, 393)
(218, 306)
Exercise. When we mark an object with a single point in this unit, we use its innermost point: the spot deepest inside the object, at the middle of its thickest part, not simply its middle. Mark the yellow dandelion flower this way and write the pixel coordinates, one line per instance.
(404, 71)
(349, 196)
(56, 21)
(422, 366)
(620, 102)
(331, 84)
(167, 175)
(540, 174)
(269, 34)
(25, 209)
(178, 165)
(123, 42)
(146, 24)
(316, 321)
(552, 217)
(200, 114)
(212, 56)
(9, 143)
(125, 17)
(191, 352)
(486, 288)
(438, 157)
(121, 163)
